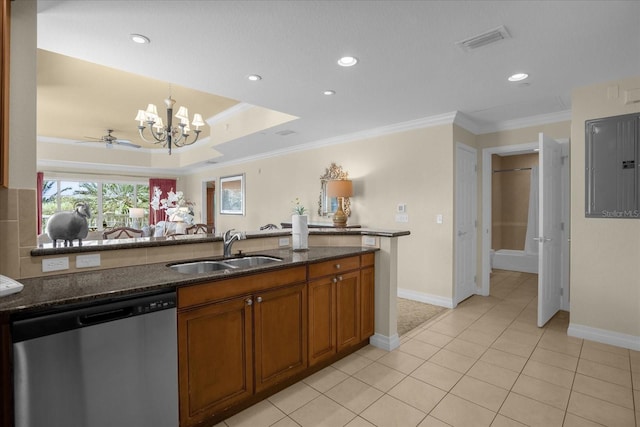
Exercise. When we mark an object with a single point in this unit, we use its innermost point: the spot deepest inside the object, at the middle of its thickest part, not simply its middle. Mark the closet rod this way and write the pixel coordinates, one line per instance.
(511, 170)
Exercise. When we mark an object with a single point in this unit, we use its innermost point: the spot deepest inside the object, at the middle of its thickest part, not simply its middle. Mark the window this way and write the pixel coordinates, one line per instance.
(109, 201)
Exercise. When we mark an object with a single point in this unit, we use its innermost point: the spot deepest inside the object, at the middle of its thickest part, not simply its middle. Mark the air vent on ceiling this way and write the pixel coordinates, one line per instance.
(285, 132)
(484, 39)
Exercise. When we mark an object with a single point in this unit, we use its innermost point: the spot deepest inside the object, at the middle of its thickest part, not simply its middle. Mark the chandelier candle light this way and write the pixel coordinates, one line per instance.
(340, 188)
(168, 135)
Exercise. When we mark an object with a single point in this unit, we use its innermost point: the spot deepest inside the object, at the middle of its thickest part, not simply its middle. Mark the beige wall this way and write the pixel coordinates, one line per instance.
(413, 167)
(510, 200)
(605, 272)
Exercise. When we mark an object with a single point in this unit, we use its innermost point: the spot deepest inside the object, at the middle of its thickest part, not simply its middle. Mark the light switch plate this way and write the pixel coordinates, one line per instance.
(55, 264)
(439, 219)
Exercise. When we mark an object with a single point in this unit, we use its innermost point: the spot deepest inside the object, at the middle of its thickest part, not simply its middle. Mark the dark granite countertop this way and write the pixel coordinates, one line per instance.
(51, 291)
(144, 242)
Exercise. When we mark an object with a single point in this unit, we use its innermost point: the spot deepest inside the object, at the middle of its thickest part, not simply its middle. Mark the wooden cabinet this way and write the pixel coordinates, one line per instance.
(215, 358)
(339, 317)
(280, 330)
(242, 336)
(229, 349)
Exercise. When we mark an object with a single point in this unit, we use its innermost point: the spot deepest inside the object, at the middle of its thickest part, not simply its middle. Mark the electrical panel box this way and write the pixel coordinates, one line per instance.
(612, 161)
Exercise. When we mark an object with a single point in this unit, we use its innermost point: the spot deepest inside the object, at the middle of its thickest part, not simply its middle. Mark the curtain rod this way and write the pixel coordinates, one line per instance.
(511, 170)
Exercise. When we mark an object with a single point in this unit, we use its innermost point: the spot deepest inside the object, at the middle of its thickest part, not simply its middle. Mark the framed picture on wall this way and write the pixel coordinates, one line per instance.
(232, 195)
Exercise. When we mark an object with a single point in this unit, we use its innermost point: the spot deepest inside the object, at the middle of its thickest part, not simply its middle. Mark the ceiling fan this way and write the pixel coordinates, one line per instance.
(109, 140)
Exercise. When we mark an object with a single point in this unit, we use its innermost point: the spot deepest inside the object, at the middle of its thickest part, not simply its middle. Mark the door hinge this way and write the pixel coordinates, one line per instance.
(475, 224)
(562, 226)
(474, 279)
(561, 291)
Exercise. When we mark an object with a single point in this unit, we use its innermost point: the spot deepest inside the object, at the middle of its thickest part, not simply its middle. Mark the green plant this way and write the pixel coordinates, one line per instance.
(298, 209)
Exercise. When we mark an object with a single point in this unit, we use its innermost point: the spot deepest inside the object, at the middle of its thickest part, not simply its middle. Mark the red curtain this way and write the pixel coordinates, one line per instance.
(165, 185)
(39, 184)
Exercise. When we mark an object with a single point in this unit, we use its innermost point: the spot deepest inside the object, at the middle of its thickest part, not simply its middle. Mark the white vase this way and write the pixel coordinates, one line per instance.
(299, 232)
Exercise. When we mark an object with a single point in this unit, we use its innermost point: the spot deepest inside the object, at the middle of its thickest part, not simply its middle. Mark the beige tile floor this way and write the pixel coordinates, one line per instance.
(484, 363)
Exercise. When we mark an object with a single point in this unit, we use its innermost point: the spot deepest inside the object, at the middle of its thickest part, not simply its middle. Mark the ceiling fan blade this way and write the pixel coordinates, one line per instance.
(127, 142)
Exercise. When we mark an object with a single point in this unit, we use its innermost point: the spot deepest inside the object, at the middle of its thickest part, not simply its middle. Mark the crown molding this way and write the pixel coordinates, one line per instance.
(542, 119)
(229, 112)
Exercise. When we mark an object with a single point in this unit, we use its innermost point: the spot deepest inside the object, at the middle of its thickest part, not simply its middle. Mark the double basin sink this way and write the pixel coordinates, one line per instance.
(208, 266)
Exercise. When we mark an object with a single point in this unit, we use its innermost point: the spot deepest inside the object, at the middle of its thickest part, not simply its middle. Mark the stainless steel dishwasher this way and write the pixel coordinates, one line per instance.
(102, 365)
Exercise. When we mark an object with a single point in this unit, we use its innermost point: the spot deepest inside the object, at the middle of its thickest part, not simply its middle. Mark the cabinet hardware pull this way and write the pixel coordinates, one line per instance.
(259, 299)
(338, 266)
(339, 278)
(249, 301)
(334, 280)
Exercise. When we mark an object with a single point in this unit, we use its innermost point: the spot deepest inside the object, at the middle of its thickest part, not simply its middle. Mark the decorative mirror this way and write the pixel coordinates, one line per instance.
(328, 205)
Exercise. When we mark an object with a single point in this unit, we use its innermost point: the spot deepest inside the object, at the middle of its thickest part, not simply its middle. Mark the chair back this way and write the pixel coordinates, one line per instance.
(121, 233)
(197, 229)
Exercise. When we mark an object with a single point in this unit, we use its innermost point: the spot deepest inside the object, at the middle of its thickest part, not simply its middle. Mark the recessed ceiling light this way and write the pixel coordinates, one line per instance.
(347, 61)
(140, 39)
(329, 92)
(518, 77)
(254, 77)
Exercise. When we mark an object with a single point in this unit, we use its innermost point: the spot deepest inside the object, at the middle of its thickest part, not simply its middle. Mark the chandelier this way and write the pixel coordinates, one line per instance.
(169, 135)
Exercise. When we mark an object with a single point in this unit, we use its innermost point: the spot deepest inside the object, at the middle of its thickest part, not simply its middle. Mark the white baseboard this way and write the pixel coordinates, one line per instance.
(384, 342)
(604, 336)
(426, 298)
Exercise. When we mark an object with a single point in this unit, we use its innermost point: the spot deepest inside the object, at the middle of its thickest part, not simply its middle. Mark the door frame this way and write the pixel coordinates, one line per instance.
(485, 230)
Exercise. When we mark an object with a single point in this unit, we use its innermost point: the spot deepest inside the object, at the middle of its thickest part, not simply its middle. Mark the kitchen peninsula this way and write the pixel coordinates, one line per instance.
(352, 265)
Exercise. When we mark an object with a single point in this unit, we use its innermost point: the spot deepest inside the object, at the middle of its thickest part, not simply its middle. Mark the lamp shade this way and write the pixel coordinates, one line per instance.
(340, 188)
(136, 213)
(183, 113)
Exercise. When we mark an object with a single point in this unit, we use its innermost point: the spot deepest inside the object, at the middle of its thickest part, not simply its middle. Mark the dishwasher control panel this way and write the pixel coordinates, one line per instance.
(158, 304)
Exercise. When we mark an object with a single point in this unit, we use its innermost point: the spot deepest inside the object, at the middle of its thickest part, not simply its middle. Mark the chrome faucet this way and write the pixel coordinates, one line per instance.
(228, 238)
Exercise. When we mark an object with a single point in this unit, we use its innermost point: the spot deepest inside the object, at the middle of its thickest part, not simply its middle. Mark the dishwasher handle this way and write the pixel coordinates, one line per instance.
(105, 316)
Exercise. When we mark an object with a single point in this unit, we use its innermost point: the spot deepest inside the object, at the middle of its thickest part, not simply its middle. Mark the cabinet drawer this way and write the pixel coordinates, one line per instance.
(207, 292)
(333, 267)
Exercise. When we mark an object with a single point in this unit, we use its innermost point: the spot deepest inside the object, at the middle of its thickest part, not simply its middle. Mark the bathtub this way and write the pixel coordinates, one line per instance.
(514, 260)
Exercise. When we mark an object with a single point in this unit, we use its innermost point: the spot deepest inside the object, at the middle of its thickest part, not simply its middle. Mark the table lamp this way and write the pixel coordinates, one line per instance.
(340, 188)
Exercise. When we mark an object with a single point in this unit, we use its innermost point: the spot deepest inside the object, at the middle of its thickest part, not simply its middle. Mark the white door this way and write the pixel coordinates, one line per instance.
(549, 241)
(465, 223)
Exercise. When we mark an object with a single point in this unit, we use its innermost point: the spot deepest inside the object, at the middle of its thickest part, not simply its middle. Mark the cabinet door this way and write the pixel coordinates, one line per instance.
(322, 318)
(367, 302)
(347, 309)
(215, 358)
(280, 328)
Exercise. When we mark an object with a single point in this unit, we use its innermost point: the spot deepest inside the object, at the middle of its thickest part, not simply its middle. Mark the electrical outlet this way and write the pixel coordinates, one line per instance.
(84, 261)
(369, 241)
(439, 219)
(55, 264)
(402, 217)
(283, 241)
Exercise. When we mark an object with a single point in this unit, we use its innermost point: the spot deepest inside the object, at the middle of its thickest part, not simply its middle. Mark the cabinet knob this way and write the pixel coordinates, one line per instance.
(338, 266)
(339, 278)
(259, 299)
(334, 280)
(249, 301)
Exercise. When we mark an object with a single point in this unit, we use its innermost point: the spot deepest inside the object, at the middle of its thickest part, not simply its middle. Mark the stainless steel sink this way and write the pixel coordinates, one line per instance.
(207, 266)
(199, 267)
(251, 261)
